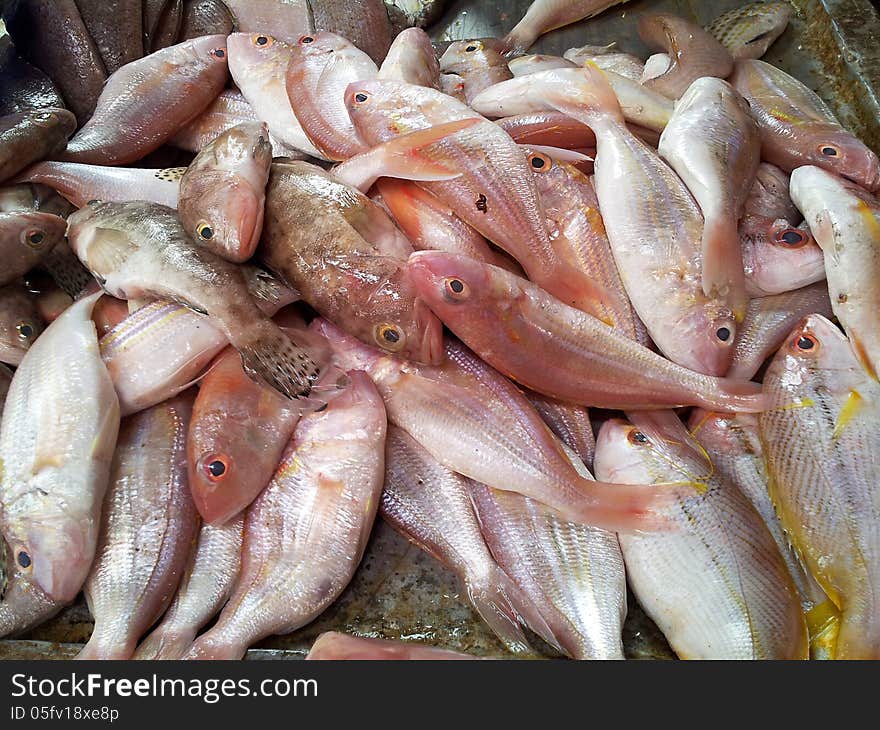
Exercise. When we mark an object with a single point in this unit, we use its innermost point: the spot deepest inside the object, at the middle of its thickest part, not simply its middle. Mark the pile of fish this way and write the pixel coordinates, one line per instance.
(388, 280)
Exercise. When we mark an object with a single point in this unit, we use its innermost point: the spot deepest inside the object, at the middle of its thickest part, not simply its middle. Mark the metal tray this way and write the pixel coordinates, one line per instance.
(401, 593)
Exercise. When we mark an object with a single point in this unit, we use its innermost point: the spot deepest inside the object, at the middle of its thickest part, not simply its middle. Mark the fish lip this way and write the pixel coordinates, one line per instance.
(432, 350)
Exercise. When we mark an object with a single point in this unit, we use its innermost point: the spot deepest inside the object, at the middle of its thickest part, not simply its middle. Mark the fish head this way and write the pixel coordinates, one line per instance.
(258, 57)
(209, 50)
(230, 215)
(818, 344)
(381, 109)
(778, 256)
(349, 352)
(323, 44)
(464, 57)
(53, 118)
(37, 233)
(20, 324)
(709, 334)
(838, 151)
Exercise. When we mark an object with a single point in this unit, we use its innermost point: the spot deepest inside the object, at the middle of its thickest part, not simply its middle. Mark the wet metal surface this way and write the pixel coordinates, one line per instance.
(400, 592)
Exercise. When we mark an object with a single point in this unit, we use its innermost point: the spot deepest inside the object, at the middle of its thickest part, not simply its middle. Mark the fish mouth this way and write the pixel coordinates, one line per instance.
(432, 350)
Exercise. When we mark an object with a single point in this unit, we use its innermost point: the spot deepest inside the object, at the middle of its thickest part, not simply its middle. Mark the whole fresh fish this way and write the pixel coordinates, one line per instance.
(655, 232)
(335, 646)
(205, 586)
(573, 573)
(714, 145)
(140, 250)
(24, 87)
(287, 20)
(414, 13)
(364, 22)
(733, 443)
(236, 437)
(479, 63)
(145, 102)
(821, 446)
(431, 506)
(570, 423)
(608, 58)
(27, 137)
(117, 29)
(148, 525)
(320, 70)
(306, 533)
(716, 586)
(527, 65)
(57, 437)
(348, 260)
(56, 40)
(258, 64)
(778, 257)
(26, 238)
(495, 193)
(163, 347)
(769, 320)
(693, 53)
(205, 17)
(845, 221)
(411, 59)
(20, 323)
(535, 93)
(477, 423)
(526, 334)
(546, 15)
(80, 183)
(223, 192)
(798, 128)
(749, 30)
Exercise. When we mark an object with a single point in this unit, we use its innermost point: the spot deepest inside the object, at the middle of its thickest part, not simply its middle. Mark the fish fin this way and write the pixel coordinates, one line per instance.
(853, 404)
(861, 354)
(108, 250)
(823, 623)
(587, 295)
(211, 645)
(268, 354)
(491, 600)
(723, 275)
(587, 102)
(736, 396)
(269, 293)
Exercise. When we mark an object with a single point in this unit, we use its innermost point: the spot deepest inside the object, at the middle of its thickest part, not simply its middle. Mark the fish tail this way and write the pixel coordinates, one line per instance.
(269, 355)
(162, 644)
(859, 634)
(491, 598)
(589, 102)
(723, 275)
(735, 396)
(209, 646)
(98, 648)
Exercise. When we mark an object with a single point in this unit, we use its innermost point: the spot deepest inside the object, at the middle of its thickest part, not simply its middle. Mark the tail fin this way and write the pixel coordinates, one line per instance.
(163, 644)
(210, 647)
(723, 274)
(734, 396)
(96, 648)
(403, 157)
(589, 101)
(268, 354)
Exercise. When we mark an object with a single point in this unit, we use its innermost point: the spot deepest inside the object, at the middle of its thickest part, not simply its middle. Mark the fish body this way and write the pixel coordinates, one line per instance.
(117, 29)
(570, 423)
(148, 524)
(363, 22)
(546, 15)
(527, 65)
(205, 17)
(821, 447)
(20, 323)
(749, 30)
(27, 237)
(411, 59)
(27, 137)
(608, 58)
(335, 646)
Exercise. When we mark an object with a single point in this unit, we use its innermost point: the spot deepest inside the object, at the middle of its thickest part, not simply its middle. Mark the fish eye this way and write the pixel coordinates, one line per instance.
(829, 150)
(723, 334)
(389, 337)
(204, 231)
(539, 162)
(361, 97)
(805, 342)
(637, 438)
(471, 48)
(92, 203)
(219, 53)
(23, 558)
(455, 289)
(215, 467)
(26, 330)
(306, 39)
(791, 238)
(264, 41)
(34, 237)
(43, 117)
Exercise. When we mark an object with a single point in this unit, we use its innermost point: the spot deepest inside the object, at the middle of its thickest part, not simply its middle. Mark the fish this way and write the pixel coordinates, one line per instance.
(5, 380)
(570, 423)
(56, 40)
(23, 604)
(479, 63)
(287, 19)
(768, 322)
(527, 65)
(845, 221)
(24, 87)
(363, 22)
(453, 85)
(205, 17)
(345, 256)
(656, 244)
(20, 323)
(769, 197)
(733, 443)
(223, 192)
(717, 586)
(475, 422)
(24, 197)
(495, 193)
(30, 136)
(148, 526)
(559, 351)
(608, 58)
(778, 257)
(163, 347)
(550, 128)
(821, 448)
(749, 30)
(534, 93)
(79, 183)
(431, 506)
(52, 302)
(162, 23)
(258, 64)
(305, 534)
(543, 16)
(66, 270)
(26, 239)
(108, 312)
(116, 28)
(713, 143)
(577, 234)
(320, 70)
(146, 101)
(411, 59)
(236, 437)
(140, 249)
(573, 573)
(693, 52)
(798, 128)
(206, 584)
(332, 645)
(57, 437)
(414, 13)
